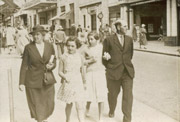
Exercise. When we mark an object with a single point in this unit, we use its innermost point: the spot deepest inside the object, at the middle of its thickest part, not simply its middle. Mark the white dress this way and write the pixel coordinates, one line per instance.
(73, 91)
(10, 34)
(96, 80)
(22, 40)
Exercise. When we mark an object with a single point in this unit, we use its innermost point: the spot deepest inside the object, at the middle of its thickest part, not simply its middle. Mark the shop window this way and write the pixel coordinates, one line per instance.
(63, 9)
(42, 20)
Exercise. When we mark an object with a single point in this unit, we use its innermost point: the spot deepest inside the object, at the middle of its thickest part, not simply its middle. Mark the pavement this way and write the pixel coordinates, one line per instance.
(141, 111)
(159, 48)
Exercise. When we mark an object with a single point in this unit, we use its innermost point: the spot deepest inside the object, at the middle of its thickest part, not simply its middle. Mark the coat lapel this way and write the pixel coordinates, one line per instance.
(36, 52)
(46, 52)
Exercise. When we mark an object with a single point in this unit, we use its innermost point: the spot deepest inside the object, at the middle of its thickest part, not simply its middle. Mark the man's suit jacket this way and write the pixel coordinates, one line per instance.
(120, 57)
(33, 65)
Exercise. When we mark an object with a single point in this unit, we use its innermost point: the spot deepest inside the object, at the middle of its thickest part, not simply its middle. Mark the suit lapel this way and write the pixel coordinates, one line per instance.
(127, 43)
(116, 40)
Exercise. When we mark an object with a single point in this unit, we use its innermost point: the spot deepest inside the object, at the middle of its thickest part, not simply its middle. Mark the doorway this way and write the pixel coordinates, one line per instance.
(152, 26)
(93, 22)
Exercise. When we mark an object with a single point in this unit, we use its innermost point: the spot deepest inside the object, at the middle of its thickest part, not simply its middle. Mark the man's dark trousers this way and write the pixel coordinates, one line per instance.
(114, 86)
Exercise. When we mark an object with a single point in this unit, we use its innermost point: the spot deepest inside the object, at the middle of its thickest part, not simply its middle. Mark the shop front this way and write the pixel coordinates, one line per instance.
(45, 10)
(153, 15)
(89, 16)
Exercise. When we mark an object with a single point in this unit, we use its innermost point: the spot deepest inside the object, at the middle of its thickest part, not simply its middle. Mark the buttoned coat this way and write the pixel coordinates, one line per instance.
(33, 65)
(120, 57)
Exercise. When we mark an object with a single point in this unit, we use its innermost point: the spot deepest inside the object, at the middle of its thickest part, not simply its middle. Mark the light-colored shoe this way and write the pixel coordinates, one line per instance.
(87, 113)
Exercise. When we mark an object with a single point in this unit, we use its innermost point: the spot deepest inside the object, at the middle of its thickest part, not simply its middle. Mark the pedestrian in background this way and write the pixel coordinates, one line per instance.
(117, 56)
(142, 37)
(73, 30)
(60, 40)
(134, 33)
(79, 30)
(96, 83)
(35, 62)
(161, 35)
(72, 88)
(101, 33)
(10, 36)
(22, 38)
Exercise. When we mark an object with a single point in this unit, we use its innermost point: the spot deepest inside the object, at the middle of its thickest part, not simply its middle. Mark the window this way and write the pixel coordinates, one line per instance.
(63, 9)
(84, 16)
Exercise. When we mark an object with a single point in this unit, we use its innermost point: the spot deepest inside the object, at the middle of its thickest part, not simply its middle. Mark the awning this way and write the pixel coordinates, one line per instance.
(144, 2)
(38, 4)
(62, 16)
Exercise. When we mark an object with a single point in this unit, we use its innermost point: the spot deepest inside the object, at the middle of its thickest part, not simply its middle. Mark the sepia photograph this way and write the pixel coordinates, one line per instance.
(89, 60)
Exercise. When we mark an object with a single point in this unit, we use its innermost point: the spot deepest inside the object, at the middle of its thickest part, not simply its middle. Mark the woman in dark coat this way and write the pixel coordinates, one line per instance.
(38, 58)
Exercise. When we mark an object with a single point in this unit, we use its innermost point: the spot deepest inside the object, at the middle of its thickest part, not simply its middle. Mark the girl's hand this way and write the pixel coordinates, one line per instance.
(49, 66)
(21, 87)
(85, 86)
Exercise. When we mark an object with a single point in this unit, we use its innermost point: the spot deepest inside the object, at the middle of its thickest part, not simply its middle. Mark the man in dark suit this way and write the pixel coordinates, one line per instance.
(117, 55)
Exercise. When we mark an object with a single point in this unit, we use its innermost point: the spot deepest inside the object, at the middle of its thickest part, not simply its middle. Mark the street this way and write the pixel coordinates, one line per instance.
(155, 91)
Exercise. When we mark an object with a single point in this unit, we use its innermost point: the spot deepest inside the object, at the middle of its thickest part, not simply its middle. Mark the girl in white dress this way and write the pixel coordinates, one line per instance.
(96, 82)
(72, 89)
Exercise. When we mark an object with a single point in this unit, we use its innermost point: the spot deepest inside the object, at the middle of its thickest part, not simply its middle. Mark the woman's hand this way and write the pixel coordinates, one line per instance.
(21, 87)
(49, 66)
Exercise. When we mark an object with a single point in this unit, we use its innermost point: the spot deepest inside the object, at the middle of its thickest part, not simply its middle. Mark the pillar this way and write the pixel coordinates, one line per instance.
(131, 18)
(171, 22)
(105, 11)
(37, 19)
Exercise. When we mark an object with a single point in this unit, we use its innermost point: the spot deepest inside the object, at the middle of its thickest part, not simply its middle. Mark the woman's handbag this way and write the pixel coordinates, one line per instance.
(49, 78)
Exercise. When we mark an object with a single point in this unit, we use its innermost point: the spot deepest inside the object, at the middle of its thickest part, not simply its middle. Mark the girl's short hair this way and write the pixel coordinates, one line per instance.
(94, 34)
(73, 39)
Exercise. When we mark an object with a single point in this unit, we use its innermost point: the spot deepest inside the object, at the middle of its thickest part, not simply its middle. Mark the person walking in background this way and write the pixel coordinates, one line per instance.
(72, 88)
(38, 59)
(79, 30)
(161, 35)
(60, 40)
(134, 33)
(101, 33)
(73, 30)
(22, 39)
(117, 56)
(142, 36)
(10, 36)
(95, 80)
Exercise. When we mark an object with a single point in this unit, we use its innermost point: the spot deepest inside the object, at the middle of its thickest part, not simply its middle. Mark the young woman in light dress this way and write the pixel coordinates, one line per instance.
(95, 76)
(72, 88)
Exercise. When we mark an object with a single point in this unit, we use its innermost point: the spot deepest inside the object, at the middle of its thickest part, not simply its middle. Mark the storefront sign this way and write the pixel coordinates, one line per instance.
(46, 8)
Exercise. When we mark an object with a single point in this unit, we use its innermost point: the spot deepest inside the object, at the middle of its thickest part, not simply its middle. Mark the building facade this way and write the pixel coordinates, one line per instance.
(35, 12)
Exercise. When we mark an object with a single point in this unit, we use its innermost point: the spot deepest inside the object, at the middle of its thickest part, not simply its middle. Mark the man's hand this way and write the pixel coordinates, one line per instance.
(106, 56)
(21, 87)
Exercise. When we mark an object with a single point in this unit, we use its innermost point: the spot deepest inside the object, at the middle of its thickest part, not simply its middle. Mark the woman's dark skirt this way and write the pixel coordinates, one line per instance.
(41, 101)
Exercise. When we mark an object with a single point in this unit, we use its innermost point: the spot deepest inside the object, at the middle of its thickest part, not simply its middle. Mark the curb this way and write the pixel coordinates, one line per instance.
(150, 51)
